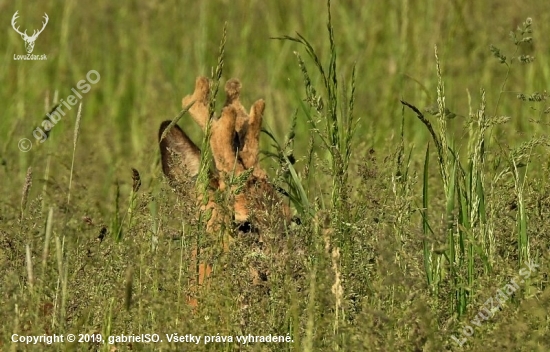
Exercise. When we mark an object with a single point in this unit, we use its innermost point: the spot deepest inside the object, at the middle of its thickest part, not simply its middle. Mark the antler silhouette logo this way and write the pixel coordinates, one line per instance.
(29, 40)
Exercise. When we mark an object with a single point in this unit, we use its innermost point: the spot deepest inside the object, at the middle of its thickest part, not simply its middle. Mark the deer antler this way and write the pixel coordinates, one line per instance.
(251, 143)
(235, 134)
(24, 34)
(201, 95)
(34, 34)
(247, 126)
(234, 142)
(13, 23)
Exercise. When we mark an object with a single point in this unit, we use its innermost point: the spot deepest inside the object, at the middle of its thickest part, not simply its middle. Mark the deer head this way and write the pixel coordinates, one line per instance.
(234, 142)
(29, 41)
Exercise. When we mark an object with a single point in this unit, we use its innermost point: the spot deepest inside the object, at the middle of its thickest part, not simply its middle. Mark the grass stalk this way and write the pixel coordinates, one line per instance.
(75, 139)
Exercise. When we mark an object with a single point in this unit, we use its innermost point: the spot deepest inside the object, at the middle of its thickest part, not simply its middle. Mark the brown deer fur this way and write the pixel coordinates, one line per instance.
(234, 142)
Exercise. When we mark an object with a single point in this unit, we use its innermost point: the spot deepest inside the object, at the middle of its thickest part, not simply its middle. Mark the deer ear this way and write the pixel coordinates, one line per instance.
(180, 156)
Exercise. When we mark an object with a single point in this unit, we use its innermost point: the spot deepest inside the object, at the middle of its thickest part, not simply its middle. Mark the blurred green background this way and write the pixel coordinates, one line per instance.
(149, 53)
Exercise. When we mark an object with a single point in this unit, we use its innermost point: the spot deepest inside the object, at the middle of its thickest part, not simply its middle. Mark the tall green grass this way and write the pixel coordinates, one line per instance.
(469, 227)
(407, 225)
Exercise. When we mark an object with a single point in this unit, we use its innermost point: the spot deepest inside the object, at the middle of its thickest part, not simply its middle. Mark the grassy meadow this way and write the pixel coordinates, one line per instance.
(411, 139)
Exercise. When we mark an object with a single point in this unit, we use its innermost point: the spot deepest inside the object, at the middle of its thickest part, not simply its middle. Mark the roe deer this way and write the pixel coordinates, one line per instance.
(234, 142)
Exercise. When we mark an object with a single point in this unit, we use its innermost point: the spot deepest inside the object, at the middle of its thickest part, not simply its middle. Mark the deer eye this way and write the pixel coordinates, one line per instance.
(245, 227)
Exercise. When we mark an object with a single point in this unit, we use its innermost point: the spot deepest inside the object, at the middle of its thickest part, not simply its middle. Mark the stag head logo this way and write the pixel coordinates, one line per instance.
(29, 40)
